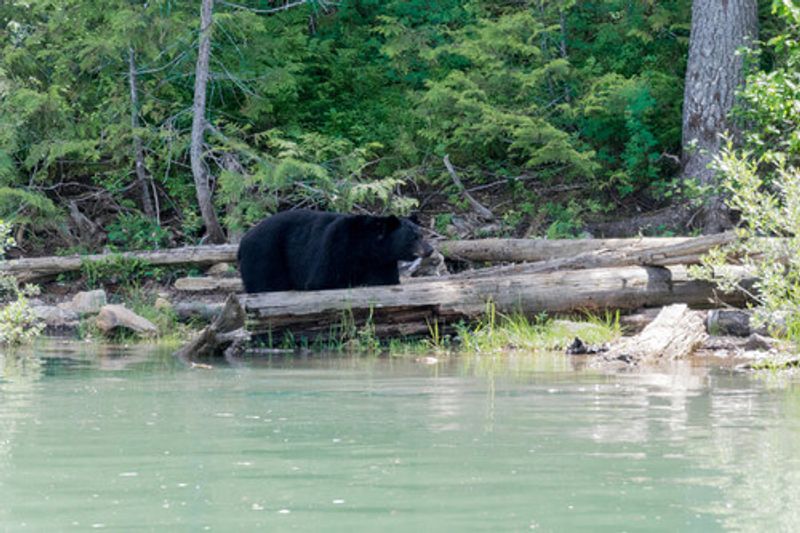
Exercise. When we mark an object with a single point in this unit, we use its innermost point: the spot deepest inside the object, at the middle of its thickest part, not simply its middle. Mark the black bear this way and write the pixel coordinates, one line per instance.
(312, 250)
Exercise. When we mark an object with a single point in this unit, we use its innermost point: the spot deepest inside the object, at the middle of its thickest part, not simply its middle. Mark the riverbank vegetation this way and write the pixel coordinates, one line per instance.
(761, 178)
(554, 114)
(145, 126)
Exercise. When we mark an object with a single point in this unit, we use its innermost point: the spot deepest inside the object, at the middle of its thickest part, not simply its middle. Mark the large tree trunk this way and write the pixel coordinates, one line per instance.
(199, 169)
(138, 150)
(415, 308)
(713, 73)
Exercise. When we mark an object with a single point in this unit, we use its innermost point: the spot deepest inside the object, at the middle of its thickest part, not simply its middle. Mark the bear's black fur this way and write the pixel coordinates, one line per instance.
(312, 250)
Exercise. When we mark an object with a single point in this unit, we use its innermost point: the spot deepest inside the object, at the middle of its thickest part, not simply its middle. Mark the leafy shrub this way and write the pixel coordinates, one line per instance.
(126, 272)
(762, 178)
(134, 231)
(18, 322)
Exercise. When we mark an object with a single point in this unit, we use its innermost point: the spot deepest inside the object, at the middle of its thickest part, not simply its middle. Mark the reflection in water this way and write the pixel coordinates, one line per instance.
(96, 438)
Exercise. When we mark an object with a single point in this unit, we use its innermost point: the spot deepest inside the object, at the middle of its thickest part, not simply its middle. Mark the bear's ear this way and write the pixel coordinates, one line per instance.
(414, 217)
(392, 223)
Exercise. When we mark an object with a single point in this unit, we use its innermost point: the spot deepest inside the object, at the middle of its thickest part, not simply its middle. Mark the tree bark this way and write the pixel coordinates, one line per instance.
(138, 151)
(33, 268)
(544, 255)
(414, 308)
(713, 73)
(224, 337)
(674, 334)
(536, 250)
(199, 168)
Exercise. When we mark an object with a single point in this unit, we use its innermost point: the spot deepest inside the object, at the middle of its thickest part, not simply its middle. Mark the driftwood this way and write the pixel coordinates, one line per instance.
(676, 252)
(675, 333)
(636, 321)
(30, 269)
(587, 253)
(413, 308)
(209, 284)
(223, 337)
(571, 252)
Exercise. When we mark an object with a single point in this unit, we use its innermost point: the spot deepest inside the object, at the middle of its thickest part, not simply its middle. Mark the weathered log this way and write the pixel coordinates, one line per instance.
(415, 308)
(412, 308)
(586, 253)
(29, 269)
(675, 333)
(221, 338)
(636, 321)
(651, 251)
(686, 251)
(530, 250)
(209, 284)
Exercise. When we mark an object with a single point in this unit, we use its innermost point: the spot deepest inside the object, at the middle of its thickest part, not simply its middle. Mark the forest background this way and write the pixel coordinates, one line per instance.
(555, 115)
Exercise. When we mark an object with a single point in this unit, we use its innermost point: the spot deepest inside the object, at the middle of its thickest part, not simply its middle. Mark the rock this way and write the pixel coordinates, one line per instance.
(758, 342)
(221, 270)
(86, 302)
(198, 310)
(56, 317)
(728, 322)
(578, 347)
(118, 316)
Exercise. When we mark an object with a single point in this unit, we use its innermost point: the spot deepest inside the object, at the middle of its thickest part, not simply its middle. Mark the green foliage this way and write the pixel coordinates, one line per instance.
(566, 220)
(28, 207)
(19, 324)
(762, 178)
(351, 107)
(134, 231)
(312, 169)
(500, 333)
(127, 273)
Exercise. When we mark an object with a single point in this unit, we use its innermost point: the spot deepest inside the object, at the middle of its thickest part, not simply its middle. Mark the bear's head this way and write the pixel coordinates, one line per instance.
(399, 239)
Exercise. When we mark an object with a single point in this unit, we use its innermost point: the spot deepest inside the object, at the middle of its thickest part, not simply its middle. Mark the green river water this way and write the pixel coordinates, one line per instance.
(128, 439)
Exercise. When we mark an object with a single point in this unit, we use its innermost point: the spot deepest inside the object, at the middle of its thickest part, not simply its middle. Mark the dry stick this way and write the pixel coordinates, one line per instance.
(482, 211)
(141, 173)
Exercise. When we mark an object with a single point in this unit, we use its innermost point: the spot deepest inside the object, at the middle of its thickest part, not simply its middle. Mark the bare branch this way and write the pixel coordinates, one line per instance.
(482, 211)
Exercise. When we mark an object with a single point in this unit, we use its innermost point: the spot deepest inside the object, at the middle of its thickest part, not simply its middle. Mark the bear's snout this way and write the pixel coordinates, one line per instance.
(424, 249)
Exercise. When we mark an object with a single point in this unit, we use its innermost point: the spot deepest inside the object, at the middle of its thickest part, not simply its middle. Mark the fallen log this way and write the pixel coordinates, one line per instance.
(530, 250)
(683, 251)
(674, 334)
(208, 284)
(414, 308)
(544, 256)
(653, 251)
(225, 336)
(33, 268)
